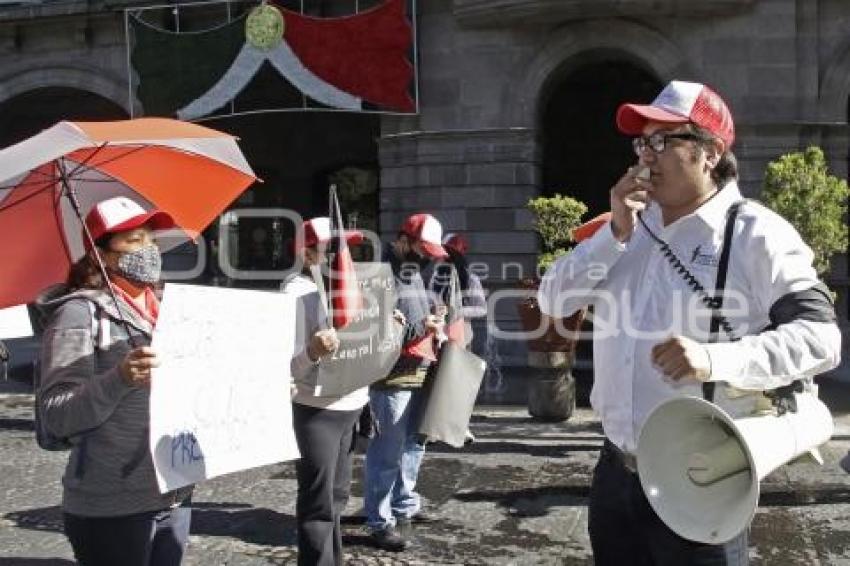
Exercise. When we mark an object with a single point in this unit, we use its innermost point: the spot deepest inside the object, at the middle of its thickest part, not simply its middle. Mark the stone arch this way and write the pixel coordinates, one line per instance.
(571, 47)
(95, 81)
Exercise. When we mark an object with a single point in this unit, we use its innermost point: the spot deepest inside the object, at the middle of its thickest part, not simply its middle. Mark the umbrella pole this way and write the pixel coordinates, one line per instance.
(75, 205)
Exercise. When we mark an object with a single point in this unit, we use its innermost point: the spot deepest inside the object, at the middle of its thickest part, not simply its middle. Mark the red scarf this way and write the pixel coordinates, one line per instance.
(151, 310)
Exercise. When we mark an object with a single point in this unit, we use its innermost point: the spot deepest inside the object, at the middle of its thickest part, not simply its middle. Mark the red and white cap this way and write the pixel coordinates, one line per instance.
(679, 103)
(318, 231)
(428, 231)
(118, 214)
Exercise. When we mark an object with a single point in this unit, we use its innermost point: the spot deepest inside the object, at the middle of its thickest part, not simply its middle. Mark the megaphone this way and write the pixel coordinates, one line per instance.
(700, 469)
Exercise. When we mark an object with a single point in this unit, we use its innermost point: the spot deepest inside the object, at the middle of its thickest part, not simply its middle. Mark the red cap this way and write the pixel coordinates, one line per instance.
(456, 242)
(428, 231)
(318, 231)
(589, 228)
(119, 214)
(679, 103)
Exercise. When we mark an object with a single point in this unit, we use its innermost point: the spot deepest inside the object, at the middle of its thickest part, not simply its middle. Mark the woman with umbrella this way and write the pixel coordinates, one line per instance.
(95, 378)
(95, 363)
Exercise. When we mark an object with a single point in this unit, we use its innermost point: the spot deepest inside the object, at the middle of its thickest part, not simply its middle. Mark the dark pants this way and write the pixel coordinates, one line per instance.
(624, 530)
(324, 478)
(156, 538)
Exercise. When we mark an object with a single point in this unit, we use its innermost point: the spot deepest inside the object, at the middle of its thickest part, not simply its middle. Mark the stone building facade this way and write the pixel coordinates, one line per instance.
(516, 99)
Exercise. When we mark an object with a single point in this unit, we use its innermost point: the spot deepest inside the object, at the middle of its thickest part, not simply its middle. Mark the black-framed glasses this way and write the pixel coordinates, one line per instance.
(657, 142)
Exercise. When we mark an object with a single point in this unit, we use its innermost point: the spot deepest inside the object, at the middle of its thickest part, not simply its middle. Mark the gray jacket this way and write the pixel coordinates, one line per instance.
(83, 397)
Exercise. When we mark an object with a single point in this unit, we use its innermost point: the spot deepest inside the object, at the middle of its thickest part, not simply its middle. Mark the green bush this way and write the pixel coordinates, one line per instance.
(555, 218)
(798, 186)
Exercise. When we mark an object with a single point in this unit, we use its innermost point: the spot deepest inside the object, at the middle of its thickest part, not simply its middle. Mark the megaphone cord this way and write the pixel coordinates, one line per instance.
(713, 303)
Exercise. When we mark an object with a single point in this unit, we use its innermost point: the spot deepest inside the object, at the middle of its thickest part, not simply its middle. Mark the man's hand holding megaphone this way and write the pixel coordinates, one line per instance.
(679, 358)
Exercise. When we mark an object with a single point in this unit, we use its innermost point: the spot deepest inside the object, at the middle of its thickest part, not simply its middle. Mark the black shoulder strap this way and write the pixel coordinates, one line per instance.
(722, 268)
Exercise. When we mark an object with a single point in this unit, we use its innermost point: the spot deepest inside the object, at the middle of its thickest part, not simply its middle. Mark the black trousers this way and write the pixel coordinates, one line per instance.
(156, 538)
(624, 530)
(324, 479)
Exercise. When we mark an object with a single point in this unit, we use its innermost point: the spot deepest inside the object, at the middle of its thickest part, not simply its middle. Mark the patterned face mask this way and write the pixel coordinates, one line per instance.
(141, 266)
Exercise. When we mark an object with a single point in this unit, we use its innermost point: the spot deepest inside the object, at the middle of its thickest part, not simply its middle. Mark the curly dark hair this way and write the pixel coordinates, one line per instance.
(85, 273)
(726, 169)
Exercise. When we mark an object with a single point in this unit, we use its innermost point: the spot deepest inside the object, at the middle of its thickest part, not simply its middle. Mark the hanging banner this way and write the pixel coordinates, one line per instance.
(265, 57)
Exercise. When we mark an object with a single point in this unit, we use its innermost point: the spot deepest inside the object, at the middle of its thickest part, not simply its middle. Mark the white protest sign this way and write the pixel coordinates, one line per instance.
(220, 400)
(15, 322)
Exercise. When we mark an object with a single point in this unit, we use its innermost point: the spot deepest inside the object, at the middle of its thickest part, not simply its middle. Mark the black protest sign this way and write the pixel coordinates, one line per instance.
(369, 345)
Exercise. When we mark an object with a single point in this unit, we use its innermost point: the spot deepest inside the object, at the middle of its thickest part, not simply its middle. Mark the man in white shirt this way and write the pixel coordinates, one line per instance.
(653, 337)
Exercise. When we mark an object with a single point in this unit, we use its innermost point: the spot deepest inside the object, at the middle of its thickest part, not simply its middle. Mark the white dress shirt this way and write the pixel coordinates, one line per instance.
(638, 300)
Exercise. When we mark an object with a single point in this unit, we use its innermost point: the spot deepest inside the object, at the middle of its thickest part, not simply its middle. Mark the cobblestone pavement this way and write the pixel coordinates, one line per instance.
(516, 496)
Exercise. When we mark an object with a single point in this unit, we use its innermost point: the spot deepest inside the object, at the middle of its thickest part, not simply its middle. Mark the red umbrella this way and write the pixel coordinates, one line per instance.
(50, 181)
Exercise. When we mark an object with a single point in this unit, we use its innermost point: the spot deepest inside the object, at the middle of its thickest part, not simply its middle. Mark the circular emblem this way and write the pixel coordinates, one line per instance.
(264, 27)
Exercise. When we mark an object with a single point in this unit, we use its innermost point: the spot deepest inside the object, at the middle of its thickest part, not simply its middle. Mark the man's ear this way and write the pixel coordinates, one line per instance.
(713, 152)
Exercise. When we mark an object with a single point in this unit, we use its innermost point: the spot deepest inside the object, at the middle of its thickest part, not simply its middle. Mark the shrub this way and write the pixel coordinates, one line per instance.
(555, 218)
(798, 186)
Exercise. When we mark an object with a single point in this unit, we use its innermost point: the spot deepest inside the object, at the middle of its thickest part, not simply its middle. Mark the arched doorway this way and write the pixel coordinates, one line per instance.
(583, 153)
(29, 113)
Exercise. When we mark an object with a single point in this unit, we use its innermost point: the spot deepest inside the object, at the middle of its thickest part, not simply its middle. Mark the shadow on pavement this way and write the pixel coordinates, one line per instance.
(17, 424)
(35, 562)
(819, 494)
(488, 447)
(254, 525)
(249, 524)
(39, 519)
(531, 502)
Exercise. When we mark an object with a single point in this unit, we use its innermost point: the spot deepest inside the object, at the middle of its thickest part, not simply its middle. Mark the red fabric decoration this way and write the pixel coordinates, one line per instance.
(365, 55)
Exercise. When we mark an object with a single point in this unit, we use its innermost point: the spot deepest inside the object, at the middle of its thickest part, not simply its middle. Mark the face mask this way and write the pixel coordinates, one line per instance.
(141, 266)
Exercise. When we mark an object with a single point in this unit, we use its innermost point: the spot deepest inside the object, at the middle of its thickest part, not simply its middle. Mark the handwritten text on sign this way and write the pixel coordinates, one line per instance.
(220, 399)
(370, 345)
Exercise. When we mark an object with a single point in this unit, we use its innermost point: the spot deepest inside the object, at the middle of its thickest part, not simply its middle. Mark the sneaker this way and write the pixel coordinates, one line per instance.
(388, 539)
(468, 438)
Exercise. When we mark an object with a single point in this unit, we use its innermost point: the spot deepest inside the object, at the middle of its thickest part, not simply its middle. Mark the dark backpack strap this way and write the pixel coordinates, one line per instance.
(722, 269)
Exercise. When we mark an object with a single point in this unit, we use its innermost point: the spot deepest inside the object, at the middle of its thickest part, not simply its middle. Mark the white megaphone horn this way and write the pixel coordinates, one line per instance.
(700, 468)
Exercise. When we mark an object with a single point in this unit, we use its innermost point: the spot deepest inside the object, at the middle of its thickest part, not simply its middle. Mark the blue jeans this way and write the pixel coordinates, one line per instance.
(393, 458)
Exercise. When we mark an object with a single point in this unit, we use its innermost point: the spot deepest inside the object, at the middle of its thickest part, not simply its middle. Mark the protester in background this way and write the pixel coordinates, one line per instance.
(677, 200)
(323, 425)
(95, 380)
(394, 456)
(473, 300)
